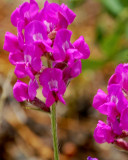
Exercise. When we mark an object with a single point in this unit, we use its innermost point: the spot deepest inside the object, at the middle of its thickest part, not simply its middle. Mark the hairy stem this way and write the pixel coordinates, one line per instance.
(54, 132)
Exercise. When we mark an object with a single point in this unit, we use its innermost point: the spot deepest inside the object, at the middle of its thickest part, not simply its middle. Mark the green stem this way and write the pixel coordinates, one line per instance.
(54, 132)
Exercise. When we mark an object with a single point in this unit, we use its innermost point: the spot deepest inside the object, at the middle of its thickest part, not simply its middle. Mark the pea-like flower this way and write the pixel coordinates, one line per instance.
(43, 52)
(114, 105)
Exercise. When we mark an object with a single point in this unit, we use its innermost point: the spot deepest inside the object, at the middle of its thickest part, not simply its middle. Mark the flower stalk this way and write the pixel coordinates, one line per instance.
(54, 131)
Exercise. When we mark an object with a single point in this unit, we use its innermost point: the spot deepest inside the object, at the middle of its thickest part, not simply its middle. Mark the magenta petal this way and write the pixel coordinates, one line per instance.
(50, 74)
(99, 99)
(20, 27)
(125, 78)
(103, 133)
(15, 17)
(112, 111)
(61, 44)
(82, 47)
(20, 71)
(20, 91)
(124, 119)
(76, 69)
(116, 96)
(99, 134)
(50, 99)
(29, 10)
(114, 79)
(36, 64)
(63, 23)
(70, 15)
(29, 72)
(44, 45)
(33, 86)
(72, 71)
(11, 42)
(15, 58)
(76, 54)
(35, 31)
(51, 80)
(116, 127)
(104, 108)
(120, 77)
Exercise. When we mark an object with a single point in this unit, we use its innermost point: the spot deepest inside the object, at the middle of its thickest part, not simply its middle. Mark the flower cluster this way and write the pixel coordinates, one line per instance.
(115, 106)
(43, 35)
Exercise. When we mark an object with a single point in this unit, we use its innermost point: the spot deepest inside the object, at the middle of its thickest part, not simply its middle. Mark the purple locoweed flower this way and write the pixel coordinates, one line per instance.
(120, 77)
(114, 105)
(69, 52)
(90, 158)
(56, 16)
(43, 52)
(53, 85)
(23, 92)
(103, 133)
(25, 14)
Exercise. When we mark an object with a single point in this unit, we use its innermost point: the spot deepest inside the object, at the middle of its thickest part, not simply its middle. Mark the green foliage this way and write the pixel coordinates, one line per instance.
(122, 56)
(75, 3)
(112, 43)
(113, 6)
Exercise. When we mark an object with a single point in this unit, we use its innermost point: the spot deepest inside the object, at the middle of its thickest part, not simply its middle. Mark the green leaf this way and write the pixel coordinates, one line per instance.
(113, 6)
(124, 2)
(110, 44)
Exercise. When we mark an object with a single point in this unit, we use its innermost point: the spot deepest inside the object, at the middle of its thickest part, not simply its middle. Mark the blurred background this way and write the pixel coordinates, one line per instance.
(26, 134)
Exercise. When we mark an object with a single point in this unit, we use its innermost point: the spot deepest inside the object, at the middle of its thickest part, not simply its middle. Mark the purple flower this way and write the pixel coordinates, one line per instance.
(69, 53)
(99, 99)
(24, 14)
(42, 50)
(116, 96)
(90, 158)
(36, 34)
(61, 45)
(82, 47)
(55, 16)
(23, 92)
(103, 133)
(12, 45)
(53, 85)
(114, 105)
(120, 77)
(72, 71)
(30, 65)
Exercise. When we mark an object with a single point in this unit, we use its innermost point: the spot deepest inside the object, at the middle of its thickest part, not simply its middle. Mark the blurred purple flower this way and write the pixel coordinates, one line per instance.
(90, 158)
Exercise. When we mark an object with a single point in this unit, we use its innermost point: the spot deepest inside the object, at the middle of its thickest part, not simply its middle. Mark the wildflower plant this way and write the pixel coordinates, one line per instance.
(44, 35)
